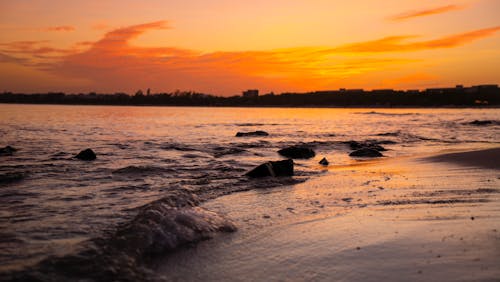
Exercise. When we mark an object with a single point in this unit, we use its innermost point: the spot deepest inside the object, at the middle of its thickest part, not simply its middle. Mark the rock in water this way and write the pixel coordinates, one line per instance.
(377, 148)
(86, 155)
(482, 122)
(324, 162)
(355, 145)
(297, 152)
(253, 133)
(7, 151)
(278, 168)
(366, 152)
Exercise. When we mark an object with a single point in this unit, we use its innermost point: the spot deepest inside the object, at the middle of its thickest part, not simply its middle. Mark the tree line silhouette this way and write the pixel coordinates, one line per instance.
(483, 95)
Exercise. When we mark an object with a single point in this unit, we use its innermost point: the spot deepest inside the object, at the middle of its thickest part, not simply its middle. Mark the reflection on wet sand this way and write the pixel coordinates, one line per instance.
(403, 218)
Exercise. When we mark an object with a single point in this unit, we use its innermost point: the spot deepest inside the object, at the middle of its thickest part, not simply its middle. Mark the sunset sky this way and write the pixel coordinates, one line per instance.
(224, 46)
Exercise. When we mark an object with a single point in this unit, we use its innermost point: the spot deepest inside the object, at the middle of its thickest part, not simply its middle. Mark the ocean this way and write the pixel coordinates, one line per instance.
(56, 210)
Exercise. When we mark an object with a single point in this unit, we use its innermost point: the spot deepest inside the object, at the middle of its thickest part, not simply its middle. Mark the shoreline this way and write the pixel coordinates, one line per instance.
(375, 222)
(272, 106)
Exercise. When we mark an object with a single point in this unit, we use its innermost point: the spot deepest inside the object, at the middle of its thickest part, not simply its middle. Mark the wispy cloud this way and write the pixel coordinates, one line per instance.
(61, 28)
(401, 44)
(36, 47)
(4, 58)
(426, 12)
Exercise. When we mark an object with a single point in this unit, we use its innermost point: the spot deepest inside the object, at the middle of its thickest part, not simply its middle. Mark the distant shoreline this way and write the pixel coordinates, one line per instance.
(269, 106)
(456, 97)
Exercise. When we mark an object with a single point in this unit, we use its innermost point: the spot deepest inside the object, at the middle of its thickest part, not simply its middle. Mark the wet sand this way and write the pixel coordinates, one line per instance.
(384, 220)
(489, 158)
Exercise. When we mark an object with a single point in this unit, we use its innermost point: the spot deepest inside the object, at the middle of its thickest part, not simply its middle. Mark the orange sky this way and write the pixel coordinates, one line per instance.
(223, 47)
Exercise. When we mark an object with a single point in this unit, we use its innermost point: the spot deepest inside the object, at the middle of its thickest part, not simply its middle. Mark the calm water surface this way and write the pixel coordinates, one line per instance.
(50, 202)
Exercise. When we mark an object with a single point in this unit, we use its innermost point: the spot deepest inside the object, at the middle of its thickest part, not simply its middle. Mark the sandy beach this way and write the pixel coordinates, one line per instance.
(488, 158)
(418, 219)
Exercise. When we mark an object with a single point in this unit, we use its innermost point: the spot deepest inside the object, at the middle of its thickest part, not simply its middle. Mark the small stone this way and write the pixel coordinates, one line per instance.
(7, 151)
(324, 162)
(86, 155)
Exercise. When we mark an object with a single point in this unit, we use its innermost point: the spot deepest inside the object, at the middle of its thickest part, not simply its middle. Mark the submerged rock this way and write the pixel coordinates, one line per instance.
(377, 147)
(324, 162)
(221, 151)
(483, 122)
(11, 177)
(277, 168)
(355, 145)
(86, 155)
(252, 133)
(297, 152)
(366, 152)
(7, 151)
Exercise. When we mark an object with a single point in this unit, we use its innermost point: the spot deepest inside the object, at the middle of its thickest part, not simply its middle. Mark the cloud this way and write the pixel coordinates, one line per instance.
(113, 61)
(38, 47)
(63, 28)
(4, 58)
(400, 44)
(114, 64)
(100, 26)
(426, 12)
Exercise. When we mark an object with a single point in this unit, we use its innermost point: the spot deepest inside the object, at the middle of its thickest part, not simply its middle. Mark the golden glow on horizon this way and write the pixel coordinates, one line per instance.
(303, 47)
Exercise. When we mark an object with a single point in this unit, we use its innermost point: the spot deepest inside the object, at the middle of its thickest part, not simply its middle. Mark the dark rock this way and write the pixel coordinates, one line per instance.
(386, 142)
(483, 122)
(7, 151)
(278, 168)
(251, 134)
(86, 155)
(297, 152)
(324, 162)
(355, 145)
(366, 152)
(377, 147)
(11, 177)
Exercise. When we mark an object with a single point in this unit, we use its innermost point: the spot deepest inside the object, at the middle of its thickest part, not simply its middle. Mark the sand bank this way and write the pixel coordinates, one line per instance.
(393, 220)
(489, 158)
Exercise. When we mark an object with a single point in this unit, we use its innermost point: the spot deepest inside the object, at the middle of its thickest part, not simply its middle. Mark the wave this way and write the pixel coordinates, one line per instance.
(386, 114)
(159, 228)
(177, 147)
(257, 124)
(132, 169)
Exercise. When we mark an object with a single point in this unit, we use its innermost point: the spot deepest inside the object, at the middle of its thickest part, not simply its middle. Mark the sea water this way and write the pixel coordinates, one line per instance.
(51, 203)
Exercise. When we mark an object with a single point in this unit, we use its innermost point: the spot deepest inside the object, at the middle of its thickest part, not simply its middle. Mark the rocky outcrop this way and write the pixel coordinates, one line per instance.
(366, 153)
(274, 169)
(86, 155)
(297, 152)
(252, 133)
